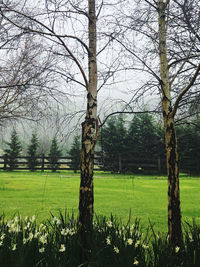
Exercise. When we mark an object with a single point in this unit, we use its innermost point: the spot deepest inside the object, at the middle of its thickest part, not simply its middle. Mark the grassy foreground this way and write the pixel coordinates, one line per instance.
(39, 193)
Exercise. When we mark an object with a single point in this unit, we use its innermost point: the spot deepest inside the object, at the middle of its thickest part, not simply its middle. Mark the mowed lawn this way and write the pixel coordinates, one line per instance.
(39, 194)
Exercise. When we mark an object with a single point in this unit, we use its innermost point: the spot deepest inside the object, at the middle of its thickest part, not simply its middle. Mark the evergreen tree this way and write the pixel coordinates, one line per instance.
(189, 146)
(114, 145)
(32, 153)
(75, 153)
(143, 140)
(13, 150)
(54, 155)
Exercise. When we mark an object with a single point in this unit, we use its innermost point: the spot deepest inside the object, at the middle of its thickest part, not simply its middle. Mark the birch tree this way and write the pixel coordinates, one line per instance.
(69, 28)
(169, 55)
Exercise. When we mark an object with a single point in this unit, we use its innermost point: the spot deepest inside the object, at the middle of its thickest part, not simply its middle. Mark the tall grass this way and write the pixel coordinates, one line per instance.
(55, 243)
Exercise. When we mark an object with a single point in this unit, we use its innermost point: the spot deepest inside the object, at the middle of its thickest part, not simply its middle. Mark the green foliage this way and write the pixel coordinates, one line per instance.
(126, 145)
(56, 243)
(75, 153)
(32, 152)
(13, 150)
(143, 140)
(54, 155)
(189, 146)
(113, 143)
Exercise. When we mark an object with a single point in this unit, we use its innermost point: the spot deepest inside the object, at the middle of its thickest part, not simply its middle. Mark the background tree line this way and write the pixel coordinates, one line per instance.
(123, 143)
(14, 149)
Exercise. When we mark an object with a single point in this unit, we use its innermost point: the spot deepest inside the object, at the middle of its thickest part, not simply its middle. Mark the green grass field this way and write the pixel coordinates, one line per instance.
(39, 193)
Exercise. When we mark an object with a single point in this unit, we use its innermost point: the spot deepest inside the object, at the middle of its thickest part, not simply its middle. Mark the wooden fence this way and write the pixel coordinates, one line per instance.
(65, 163)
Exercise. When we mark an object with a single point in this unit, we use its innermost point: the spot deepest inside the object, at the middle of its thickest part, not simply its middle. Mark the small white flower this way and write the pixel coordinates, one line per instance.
(30, 237)
(56, 221)
(108, 242)
(130, 241)
(62, 248)
(14, 247)
(32, 218)
(145, 246)
(27, 226)
(43, 239)
(64, 232)
(41, 250)
(116, 250)
(42, 227)
(16, 220)
(25, 241)
(136, 262)
(2, 236)
(109, 224)
(36, 234)
(177, 249)
(137, 243)
(1, 243)
(71, 232)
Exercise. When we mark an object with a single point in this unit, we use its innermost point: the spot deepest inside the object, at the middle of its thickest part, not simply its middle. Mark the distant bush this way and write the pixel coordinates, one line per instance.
(56, 243)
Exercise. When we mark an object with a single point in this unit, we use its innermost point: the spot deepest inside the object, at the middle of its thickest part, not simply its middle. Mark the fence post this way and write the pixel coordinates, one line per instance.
(42, 167)
(5, 161)
(159, 165)
(120, 163)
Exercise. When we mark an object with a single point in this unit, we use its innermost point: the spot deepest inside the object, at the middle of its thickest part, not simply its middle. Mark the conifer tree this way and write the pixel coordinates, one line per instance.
(54, 155)
(75, 153)
(32, 153)
(13, 150)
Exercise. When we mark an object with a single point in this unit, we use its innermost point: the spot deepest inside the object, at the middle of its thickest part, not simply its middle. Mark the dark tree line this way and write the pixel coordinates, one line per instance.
(14, 149)
(125, 144)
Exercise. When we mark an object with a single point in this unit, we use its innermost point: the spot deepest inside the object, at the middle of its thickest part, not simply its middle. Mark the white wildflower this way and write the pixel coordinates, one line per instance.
(64, 232)
(27, 226)
(16, 220)
(130, 241)
(71, 232)
(30, 237)
(9, 224)
(109, 224)
(36, 234)
(14, 247)
(62, 248)
(56, 221)
(25, 241)
(41, 250)
(145, 246)
(43, 239)
(32, 218)
(116, 250)
(42, 227)
(177, 249)
(136, 262)
(1, 243)
(2, 236)
(108, 242)
(137, 243)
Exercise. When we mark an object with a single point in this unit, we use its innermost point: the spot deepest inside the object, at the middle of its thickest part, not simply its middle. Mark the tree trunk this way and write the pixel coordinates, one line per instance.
(89, 136)
(174, 211)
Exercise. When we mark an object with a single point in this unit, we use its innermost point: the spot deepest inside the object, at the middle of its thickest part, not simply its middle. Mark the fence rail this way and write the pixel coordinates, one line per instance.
(65, 163)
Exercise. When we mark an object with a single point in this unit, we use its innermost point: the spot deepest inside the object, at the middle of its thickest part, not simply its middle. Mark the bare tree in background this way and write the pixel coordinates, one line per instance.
(24, 75)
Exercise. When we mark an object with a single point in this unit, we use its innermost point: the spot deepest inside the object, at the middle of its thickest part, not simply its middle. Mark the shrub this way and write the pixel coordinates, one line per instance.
(56, 243)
